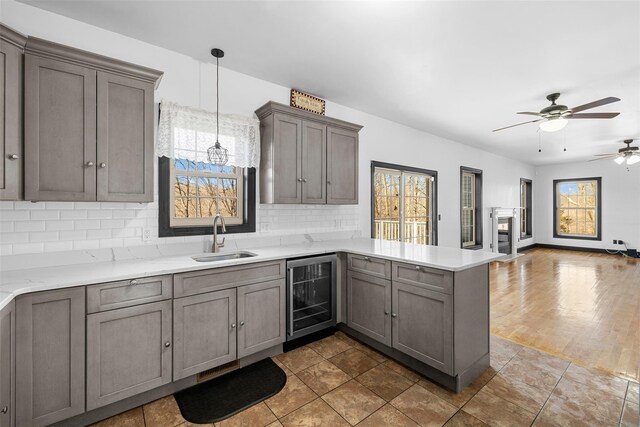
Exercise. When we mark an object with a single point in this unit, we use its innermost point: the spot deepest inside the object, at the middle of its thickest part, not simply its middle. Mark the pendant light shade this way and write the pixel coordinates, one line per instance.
(217, 154)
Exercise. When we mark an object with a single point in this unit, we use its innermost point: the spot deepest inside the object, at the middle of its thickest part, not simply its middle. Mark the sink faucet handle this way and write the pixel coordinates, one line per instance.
(221, 244)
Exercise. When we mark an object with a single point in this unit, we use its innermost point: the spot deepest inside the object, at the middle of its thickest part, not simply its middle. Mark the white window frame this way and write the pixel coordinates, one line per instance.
(206, 221)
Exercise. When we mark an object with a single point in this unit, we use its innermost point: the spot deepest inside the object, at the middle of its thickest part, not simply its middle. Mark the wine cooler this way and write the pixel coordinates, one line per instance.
(311, 295)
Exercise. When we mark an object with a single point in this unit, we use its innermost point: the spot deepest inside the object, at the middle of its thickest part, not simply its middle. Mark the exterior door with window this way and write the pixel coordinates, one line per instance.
(403, 204)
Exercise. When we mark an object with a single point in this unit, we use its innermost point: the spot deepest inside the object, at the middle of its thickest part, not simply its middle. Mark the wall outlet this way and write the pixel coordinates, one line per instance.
(615, 242)
(620, 242)
(146, 234)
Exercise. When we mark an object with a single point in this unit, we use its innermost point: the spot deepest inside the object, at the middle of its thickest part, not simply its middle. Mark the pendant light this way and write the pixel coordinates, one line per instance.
(217, 154)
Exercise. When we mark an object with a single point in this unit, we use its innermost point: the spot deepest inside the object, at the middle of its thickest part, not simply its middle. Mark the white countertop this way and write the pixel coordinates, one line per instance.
(16, 282)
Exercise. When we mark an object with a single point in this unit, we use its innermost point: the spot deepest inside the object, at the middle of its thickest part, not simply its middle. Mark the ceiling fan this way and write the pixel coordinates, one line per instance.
(629, 154)
(554, 117)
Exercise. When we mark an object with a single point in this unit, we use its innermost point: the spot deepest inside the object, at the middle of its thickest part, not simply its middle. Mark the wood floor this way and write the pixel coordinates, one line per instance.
(581, 306)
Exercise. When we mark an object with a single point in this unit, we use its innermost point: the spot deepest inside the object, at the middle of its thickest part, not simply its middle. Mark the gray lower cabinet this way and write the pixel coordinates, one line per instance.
(204, 332)
(50, 356)
(128, 352)
(423, 325)
(11, 127)
(7, 365)
(261, 316)
(369, 306)
(60, 130)
(342, 166)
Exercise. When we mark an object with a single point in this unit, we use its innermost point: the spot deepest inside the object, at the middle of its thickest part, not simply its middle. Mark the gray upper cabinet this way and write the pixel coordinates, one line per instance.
(128, 352)
(60, 130)
(204, 332)
(7, 365)
(369, 306)
(261, 316)
(88, 126)
(423, 325)
(125, 139)
(314, 163)
(342, 166)
(50, 356)
(297, 151)
(11, 128)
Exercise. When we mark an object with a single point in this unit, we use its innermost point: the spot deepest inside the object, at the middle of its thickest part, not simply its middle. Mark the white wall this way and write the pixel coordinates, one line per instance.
(620, 202)
(27, 227)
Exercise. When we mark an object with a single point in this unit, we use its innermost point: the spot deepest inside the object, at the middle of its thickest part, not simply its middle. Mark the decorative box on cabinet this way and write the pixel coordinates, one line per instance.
(306, 158)
(88, 126)
(11, 133)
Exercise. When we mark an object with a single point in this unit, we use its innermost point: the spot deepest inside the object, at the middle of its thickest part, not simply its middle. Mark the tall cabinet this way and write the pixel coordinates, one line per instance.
(88, 126)
(306, 158)
(11, 136)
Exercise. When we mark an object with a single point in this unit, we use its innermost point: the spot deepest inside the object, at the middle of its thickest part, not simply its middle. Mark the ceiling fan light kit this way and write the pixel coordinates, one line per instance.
(628, 154)
(553, 124)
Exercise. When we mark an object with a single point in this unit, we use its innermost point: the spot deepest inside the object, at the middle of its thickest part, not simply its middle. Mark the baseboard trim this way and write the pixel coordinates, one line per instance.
(526, 248)
(568, 248)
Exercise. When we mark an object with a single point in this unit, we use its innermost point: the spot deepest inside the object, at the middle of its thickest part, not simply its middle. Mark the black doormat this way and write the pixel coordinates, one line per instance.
(222, 397)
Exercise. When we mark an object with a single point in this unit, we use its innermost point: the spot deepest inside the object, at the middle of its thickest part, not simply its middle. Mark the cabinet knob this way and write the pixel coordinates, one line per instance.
(90, 164)
(5, 410)
(13, 157)
(304, 179)
(417, 267)
(167, 344)
(133, 282)
(366, 258)
(386, 313)
(242, 323)
(299, 179)
(103, 165)
(394, 315)
(328, 182)
(233, 325)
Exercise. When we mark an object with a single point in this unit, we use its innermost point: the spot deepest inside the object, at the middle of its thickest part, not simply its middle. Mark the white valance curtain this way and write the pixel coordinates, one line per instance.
(186, 133)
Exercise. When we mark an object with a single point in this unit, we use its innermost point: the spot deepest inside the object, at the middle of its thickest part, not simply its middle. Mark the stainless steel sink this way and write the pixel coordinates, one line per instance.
(223, 256)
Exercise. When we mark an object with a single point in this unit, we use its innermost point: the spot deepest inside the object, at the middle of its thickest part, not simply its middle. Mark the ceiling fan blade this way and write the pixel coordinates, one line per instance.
(519, 124)
(593, 116)
(605, 155)
(610, 156)
(594, 104)
(530, 113)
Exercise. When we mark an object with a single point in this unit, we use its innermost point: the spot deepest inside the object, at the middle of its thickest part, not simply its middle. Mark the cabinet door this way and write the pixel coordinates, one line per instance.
(204, 332)
(128, 352)
(342, 167)
(10, 116)
(50, 356)
(314, 163)
(261, 316)
(287, 170)
(423, 325)
(60, 130)
(125, 139)
(7, 366)
(369, 304)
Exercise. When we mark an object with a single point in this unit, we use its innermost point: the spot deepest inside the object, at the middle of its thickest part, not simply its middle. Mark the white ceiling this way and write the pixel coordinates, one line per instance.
(457, 69)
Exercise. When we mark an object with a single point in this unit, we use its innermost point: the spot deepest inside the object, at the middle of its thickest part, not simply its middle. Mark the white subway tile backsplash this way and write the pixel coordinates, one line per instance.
(76, 214)
(27, 248)
(72, 235)
(58, 246)
(99, 214)
(60, 205)
(111, 223)
(87, 224)
(43, 214)
(6, 206)
(10, 238)
(85, 244)
(43, 236)
(98, 234)
(15, 215)
(29, 226)
(59, 225)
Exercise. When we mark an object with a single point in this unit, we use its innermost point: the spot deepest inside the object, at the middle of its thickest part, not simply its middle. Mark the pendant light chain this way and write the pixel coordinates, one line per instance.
(217, 101)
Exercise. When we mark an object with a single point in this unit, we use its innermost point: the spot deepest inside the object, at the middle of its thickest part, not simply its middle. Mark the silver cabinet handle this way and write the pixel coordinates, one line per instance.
(5, 410)
(13, 157)
(394, 315)
(167, 344)
(304, 179)
(242, 323)
(103, 165)
(386, 313)
(299, 179)
(417, 267)
(90, 164)
(233, 325)
(133, 282)
(366, 258)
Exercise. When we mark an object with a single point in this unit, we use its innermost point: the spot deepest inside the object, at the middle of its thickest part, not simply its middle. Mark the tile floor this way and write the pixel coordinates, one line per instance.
(340, 382)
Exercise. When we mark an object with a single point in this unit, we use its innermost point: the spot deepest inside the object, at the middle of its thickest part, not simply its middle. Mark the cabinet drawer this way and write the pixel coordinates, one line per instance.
(198, 282)
(373, 266)
(126, 293)
(425, 277)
